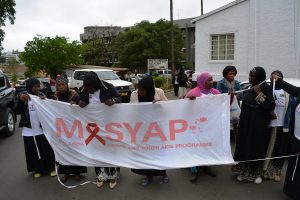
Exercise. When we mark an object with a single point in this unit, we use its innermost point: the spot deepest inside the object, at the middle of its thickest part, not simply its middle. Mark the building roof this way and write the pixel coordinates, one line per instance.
(183, 22)
(217, 10)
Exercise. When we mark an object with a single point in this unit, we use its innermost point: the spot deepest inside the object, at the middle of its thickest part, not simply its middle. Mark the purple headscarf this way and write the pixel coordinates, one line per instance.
(198, 91)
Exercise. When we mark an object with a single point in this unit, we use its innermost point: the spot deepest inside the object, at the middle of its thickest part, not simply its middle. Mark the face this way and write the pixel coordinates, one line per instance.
(36, 88)
(252, 77)
(209, 83)
(277, 74)
(142, 92)
(230, 76)
(62, 87)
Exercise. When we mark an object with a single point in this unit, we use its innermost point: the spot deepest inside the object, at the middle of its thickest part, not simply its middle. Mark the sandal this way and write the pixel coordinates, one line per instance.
(65, 178)
(165, 179)
(146, 181)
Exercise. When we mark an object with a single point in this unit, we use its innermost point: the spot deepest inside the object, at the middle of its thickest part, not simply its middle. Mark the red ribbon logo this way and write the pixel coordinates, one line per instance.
(93, 133)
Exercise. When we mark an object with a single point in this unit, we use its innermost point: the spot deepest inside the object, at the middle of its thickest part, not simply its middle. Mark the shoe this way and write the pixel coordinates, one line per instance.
(165, 179)
(240, 177)
(146, 181)
(99, 183)
(53, 173)
(258, 180)
(37, 175)
(113, 184)
(277, 178)
(207, 170)
(77, 177)
(194, 177)
(65, 178)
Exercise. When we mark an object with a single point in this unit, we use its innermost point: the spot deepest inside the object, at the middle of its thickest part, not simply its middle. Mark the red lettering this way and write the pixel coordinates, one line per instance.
(157, 132)
(109, 128)
(60, 123)
(133, 131)
(173, 131)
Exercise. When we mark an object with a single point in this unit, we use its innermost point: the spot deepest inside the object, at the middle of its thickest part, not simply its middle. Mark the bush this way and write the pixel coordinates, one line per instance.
(158, 81)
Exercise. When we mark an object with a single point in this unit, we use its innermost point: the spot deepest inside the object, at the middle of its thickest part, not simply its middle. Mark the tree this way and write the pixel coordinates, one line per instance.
(96, 52)
(2, 59)
(6, 11)
(147, 41)
(50, 55)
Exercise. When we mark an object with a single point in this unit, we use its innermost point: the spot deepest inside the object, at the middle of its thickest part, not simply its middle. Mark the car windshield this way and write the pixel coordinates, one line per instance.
(107, 75)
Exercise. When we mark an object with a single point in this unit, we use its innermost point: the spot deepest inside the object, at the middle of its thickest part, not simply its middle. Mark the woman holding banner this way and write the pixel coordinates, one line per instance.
(292, 178)
(39, 154)
(146, 92)
(96, 91)
(204, 87)
(69, 96)
(253, 133)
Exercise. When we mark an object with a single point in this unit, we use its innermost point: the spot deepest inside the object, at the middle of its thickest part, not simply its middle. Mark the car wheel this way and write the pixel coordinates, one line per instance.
(9, 123)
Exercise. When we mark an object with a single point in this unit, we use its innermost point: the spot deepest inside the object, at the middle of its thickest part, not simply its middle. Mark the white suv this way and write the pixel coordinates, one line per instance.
(123, 87)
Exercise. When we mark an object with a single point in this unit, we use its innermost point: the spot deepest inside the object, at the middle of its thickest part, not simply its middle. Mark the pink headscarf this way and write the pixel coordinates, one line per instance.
(198, 91)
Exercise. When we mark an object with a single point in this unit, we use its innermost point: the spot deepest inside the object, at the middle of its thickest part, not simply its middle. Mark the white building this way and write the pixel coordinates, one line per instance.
(249, 33)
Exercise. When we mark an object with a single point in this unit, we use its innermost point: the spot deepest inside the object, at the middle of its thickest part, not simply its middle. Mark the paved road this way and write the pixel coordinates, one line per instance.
(17, 184)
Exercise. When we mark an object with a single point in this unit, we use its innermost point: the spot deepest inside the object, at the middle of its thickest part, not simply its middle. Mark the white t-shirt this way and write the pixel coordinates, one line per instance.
(94, 98)
(279, 108)
(35, 123)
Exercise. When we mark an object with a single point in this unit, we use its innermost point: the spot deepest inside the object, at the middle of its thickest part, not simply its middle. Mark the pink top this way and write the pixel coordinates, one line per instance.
(200, 89)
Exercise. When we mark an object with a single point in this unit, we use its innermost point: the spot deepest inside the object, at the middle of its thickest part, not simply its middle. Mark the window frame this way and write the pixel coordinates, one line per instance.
(218, 60)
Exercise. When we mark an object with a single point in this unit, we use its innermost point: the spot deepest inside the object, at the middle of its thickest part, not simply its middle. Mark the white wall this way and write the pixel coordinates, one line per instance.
(266, 34)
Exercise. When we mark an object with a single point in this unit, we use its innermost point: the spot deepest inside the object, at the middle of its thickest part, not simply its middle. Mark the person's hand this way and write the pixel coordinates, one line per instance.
(72, 102)
(82, 104)
(192, 97)
(273, 115)
(24, 97)
(109, 102)
(257, 89)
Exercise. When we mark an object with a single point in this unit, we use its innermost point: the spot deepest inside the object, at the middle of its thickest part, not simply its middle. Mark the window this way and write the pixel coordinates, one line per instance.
(222, 47)
(79, 75)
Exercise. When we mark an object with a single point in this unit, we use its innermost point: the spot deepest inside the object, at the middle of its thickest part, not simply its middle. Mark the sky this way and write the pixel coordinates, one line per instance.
(69, 17)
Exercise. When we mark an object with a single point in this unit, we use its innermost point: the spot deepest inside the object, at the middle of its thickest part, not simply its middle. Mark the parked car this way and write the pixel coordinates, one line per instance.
(164, 73)
(123, 87)
(7, 116)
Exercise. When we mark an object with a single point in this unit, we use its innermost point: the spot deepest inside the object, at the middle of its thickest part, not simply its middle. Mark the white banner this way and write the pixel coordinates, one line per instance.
(164, 135)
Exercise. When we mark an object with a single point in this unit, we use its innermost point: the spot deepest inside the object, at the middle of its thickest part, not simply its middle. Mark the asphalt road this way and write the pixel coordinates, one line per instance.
(17, 184)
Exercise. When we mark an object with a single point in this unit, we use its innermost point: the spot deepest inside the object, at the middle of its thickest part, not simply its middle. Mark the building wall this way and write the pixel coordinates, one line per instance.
(266, 34)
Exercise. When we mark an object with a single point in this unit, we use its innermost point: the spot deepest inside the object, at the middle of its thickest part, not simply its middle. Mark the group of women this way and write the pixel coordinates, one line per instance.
(266, 116)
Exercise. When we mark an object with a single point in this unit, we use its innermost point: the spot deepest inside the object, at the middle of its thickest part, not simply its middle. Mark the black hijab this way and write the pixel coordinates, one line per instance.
(147, 84)
(30, 83)
(260, 75)
(91, 79)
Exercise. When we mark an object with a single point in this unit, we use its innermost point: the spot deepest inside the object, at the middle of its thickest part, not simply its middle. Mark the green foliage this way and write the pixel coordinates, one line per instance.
(2, 59)
(155, 74)
(7, 10)
(51, 55)
(147, 41)
(96, 52)
(14, 78)
(158, 81)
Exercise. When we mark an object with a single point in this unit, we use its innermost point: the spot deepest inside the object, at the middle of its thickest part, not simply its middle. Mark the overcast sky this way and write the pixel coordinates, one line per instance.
(69, 17)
